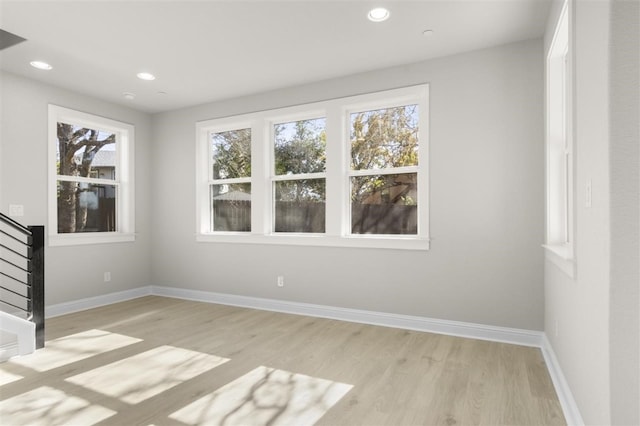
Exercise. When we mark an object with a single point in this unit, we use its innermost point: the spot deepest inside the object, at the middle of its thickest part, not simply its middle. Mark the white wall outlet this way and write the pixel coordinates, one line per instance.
(16, 210)
(587, 195)
(280, 281)
(107, 277)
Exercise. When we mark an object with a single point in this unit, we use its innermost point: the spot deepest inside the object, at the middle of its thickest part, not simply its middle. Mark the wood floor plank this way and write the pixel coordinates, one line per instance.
(392, 376)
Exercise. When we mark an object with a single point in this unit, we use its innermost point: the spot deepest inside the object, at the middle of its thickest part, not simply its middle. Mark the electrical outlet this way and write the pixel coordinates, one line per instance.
(16, 210)
(107, 277)
(280, 281)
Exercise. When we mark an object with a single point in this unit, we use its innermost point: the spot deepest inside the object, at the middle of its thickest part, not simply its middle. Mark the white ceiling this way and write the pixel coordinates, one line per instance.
(203, 51)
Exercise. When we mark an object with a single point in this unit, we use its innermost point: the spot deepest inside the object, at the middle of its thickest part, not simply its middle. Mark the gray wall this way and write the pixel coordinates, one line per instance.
(624, 163)
(486, 180)
(597, 312)
(72, 272)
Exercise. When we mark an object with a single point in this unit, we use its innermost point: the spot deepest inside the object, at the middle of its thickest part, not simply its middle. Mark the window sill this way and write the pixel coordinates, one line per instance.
(90, 238)
(562, 257)
(379, 242)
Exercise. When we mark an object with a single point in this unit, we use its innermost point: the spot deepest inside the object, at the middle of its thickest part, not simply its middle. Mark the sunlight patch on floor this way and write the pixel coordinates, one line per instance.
(74, 347)
(6, 377)
(49, 406)
(265, 396)
(147, 374)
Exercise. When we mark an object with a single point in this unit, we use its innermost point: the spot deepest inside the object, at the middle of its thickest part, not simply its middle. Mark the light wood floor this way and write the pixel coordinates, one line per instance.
(178, 362)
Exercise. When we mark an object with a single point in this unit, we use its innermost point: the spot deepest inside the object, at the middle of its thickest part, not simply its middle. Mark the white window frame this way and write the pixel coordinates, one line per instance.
(371, 103)
(205, 157)
(559, 245)
(124, 182)
(337, 175)
(273, 178)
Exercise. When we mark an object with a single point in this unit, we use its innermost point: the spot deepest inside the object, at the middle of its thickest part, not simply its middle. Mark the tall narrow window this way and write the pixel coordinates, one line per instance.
(299, 182)
(560, 185)
(384, 171)
(230, 182)
(91, 185)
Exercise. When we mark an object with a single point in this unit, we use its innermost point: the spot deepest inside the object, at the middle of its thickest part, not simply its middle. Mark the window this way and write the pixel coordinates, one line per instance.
(345, 172)
(299, 176)
(231, 180)
(384, 171)
(90, 178)
(560, 184)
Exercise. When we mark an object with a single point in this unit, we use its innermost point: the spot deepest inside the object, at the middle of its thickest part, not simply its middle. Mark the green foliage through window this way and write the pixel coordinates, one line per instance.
(84, 207)
(231, 154)
(300, 147)
(384, 138)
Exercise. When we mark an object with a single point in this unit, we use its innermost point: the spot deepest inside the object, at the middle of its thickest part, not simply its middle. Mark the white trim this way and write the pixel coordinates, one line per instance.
(337, 175)
(90, 238)
(123, 182)
(562, 257)
(9, 350)
(559, 148)
(24, 330)
(430, 325)
(396, 242)
(452, 328)
(95, 302)
(514, 336)
(567, 402)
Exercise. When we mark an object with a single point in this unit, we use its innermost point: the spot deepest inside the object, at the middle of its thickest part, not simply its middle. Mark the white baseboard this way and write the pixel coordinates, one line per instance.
(568, 403)
(23, 330)
(8, 351)
(94, 302)
(8, 345)
(453, 328)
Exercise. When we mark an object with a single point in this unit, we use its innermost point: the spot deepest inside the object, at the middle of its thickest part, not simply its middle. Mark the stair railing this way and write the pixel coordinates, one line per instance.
(22, 272)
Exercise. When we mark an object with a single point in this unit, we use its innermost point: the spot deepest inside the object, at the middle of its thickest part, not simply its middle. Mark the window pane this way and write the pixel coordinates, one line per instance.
(231, 154)
(384, 204)
(300, 147)
(86, 207)
(384, 138)
(231, 206)
(85, 152)
(300, 205)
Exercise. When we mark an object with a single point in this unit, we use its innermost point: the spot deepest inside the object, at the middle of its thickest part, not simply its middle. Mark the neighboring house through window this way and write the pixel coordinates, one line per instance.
(90, 178)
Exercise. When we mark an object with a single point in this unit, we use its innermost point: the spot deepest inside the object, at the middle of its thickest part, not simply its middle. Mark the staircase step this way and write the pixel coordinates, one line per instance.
(8, 345)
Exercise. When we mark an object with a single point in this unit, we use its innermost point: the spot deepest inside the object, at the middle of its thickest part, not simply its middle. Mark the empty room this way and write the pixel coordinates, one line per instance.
(319, 212)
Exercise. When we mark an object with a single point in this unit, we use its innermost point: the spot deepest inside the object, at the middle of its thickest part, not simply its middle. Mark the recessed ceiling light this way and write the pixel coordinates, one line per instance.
(128, 95)
(427, 33)
(41, 65)
(146, 76)
(378, 14)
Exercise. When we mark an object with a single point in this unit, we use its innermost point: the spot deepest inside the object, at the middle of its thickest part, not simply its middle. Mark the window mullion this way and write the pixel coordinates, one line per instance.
(81, 179)
(387, 171)
(336, 182)
(260, 186)
(301, 176)
(229, 181)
